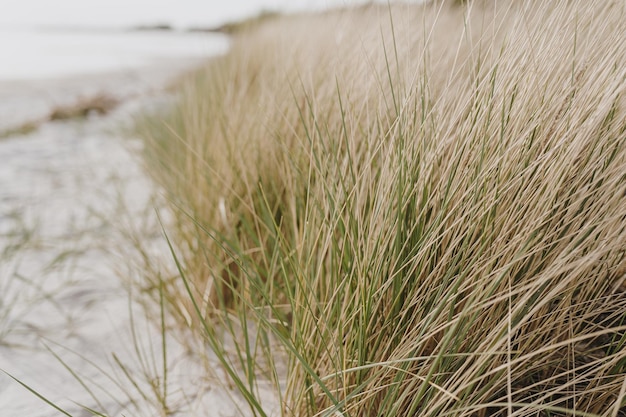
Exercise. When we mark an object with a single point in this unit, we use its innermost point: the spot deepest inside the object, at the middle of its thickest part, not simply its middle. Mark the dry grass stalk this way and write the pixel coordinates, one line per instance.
(422, 207)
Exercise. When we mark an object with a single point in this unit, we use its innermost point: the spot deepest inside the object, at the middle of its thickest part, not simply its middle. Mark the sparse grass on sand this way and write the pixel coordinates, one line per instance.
(408, 210)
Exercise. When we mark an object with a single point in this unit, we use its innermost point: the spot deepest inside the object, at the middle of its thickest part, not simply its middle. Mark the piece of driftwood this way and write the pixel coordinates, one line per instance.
(100, 104)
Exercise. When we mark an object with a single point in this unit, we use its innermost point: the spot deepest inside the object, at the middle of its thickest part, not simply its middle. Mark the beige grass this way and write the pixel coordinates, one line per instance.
(415, 210)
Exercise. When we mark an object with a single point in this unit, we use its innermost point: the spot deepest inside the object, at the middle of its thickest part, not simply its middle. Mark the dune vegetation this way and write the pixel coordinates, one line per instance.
(407, 210)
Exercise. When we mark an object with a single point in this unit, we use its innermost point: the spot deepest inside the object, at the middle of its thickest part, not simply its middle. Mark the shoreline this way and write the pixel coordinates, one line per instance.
(28, 104)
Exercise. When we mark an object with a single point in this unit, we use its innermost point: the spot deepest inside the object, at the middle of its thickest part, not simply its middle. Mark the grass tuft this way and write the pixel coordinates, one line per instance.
(408, 210)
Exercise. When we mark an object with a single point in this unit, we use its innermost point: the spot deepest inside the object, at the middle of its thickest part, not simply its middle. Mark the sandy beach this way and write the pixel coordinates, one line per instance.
(72, 195)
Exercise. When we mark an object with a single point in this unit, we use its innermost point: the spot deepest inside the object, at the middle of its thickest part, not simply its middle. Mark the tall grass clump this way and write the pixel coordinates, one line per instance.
(408, 210)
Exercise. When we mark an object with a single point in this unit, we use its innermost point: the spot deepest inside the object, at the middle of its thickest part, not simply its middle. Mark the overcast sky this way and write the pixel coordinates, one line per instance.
(180, 13)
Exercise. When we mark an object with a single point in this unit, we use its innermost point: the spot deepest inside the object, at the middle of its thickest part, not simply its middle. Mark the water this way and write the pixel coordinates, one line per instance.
(40, 54)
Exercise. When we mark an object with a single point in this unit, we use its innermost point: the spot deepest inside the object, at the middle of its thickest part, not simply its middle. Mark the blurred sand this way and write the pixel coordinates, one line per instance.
(27, 101)
(71, 192)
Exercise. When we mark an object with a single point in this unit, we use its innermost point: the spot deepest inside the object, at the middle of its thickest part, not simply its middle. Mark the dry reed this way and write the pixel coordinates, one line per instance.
(409, 210)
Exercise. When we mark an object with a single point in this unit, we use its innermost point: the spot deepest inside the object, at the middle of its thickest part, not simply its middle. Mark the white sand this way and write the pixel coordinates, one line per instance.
(68, 193)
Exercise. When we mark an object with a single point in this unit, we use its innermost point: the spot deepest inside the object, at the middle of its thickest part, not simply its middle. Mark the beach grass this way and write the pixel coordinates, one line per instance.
(407, 210)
